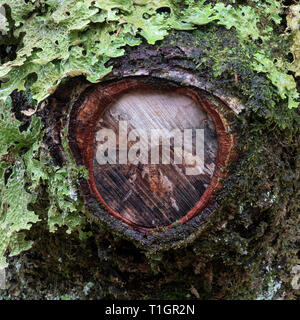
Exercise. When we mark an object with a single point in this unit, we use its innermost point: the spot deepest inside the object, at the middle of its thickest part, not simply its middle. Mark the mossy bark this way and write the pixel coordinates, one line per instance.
(250, 243)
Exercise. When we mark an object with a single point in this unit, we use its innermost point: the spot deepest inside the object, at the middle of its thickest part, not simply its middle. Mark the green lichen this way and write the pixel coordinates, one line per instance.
(59, 40)
(25, 167)
(293, 23)
(79, 37)
(15, 215)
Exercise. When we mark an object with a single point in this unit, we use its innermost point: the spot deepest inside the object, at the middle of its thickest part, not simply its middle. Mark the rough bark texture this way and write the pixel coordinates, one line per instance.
(249, 244)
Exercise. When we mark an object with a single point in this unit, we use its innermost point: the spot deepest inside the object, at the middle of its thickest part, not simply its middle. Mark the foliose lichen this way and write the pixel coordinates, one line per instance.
(45, 42)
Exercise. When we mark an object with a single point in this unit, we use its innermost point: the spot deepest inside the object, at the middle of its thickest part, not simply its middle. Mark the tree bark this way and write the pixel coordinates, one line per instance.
(242, 245)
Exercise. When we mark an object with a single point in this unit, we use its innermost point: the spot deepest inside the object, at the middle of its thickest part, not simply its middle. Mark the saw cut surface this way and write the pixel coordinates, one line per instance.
(162, 151)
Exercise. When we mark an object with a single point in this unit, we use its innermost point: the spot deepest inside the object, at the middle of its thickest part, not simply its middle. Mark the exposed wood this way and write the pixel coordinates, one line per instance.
(145, 196)
(154, 195)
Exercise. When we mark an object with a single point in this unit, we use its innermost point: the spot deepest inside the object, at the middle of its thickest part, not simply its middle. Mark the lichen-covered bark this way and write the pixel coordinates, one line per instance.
(250, 243)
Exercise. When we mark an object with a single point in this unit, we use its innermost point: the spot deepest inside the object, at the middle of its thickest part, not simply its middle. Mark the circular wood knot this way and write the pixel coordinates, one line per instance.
(155, 151)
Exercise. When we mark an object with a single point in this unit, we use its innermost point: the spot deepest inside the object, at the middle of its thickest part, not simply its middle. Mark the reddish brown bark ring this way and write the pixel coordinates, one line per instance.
(82, 132)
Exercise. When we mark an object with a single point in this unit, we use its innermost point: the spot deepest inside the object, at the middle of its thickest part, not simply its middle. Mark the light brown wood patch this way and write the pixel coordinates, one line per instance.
(155, 195)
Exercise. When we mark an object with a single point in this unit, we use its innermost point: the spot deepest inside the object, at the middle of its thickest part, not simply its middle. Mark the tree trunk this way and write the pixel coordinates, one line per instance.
(236, 241)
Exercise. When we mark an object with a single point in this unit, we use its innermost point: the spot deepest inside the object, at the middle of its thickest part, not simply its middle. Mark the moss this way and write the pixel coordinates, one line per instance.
(249, 243)
(252, 229)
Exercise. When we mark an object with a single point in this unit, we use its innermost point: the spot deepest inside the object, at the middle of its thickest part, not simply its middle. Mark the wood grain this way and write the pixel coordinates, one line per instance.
(148, 195)
(175, 199)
